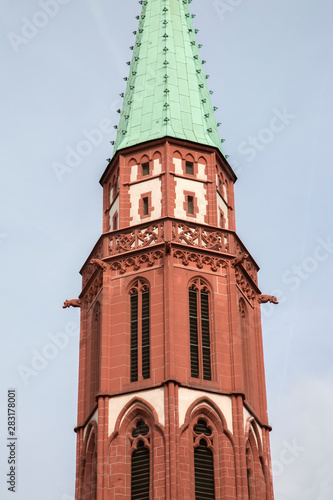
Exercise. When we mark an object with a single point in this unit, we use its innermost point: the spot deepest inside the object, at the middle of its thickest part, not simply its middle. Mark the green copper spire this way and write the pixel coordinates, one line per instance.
(166, 92)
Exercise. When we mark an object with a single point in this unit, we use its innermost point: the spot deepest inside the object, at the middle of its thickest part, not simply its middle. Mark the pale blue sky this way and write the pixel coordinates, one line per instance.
(266, 59)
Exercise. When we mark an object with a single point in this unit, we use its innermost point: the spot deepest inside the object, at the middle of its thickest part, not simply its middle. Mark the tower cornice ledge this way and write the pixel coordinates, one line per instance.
(205, 391)
(172, 141)
(215, 239)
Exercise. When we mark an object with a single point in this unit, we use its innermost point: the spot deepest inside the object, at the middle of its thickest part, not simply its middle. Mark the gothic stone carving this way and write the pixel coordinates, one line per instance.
(94, 288)
(244, 285)
(247, 264)
(135, 263)
(200, 237)
(136, 238)
(200, 260)
(237, 261)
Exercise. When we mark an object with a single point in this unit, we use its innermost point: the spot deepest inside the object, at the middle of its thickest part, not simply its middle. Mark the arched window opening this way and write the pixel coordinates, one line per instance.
(203, 465)
(199, 320)
(140, 331)
(140, 462)
(203, 461)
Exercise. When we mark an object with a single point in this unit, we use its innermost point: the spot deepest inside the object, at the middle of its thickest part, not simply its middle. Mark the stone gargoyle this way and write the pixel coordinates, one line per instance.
(99, 263)
(72, 303)
(264, 299)
(237, 261)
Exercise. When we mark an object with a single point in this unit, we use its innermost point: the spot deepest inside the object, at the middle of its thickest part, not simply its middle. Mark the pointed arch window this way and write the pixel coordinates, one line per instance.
(200, 326)
(140, 462)
(140, 331)
(203, 461)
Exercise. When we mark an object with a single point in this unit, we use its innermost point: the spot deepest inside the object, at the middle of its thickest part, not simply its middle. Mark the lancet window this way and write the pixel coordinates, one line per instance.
(140, 462)
(203, 461)
(200, 326)
(140, 331)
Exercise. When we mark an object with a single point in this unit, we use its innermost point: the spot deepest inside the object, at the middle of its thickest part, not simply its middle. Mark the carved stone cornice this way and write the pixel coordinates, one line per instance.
(199, 243)
(199, 260)
(136, 262)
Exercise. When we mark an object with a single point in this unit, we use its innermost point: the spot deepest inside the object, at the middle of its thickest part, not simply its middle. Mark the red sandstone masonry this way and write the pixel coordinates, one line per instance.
(171, 445)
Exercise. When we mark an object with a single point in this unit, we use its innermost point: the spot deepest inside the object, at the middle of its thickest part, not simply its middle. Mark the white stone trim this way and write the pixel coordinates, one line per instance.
(94, 418)
(155, 397)
(136, 190)
(187, 396)
(134, 173)
(223, 206)
(201, 171)
(113, 210)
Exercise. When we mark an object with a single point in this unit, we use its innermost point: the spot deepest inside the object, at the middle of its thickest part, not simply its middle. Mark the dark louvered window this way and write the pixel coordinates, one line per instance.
(204, 472)
(140, 478)
(134, 338)
(200, 342)
(205, 336)
(145, 335)
(140, 474)
(194, 334)
(140, 331)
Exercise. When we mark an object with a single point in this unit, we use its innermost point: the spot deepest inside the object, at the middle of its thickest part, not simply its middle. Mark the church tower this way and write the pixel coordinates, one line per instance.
(172, 398)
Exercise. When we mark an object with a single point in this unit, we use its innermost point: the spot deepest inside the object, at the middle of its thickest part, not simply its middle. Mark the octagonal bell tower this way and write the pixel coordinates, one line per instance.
(172, 398)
